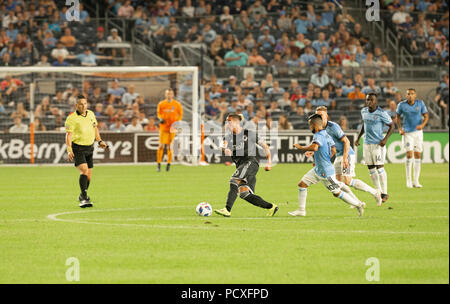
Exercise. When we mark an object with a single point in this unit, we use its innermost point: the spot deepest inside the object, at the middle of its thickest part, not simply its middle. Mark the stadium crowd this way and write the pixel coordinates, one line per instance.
(316, 54)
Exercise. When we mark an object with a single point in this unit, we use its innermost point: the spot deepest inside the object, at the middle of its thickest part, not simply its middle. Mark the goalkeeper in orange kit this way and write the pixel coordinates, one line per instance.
(169, 111)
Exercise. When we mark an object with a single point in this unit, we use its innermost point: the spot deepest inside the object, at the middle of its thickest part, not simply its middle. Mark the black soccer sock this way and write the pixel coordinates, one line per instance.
(83, 185)
(257, 201)
(232, 196)
(88, 183)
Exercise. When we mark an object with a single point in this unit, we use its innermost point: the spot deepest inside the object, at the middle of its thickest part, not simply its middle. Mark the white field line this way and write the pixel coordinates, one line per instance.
(55, 217)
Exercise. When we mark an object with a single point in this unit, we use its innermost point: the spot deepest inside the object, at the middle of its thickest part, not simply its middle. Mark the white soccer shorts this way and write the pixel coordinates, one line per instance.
(332, 184)
(374, 154)
(413, 141)
(350, 171)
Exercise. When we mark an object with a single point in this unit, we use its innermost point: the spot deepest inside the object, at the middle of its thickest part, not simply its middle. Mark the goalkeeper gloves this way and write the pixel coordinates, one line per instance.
(161, 121)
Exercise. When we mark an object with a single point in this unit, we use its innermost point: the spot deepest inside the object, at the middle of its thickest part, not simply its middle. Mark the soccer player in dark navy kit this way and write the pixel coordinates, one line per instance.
(241, 145)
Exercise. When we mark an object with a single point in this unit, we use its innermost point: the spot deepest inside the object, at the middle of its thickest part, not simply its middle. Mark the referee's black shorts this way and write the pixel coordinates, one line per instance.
(83, 155)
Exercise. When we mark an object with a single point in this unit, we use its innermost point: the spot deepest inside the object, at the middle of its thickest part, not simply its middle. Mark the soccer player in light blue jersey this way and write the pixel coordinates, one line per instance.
(413, 114)
(374, 152)
(324, 149)
(345, 161)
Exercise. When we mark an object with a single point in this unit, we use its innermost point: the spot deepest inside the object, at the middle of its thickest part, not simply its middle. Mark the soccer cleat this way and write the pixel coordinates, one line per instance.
(84, 202)
(168, 167)
(384, 197)
(223, 212)
(378, 198)
(297, 213)
(158, 168)
(417, 185)
(360, 209)
(409, 184)
(273, 210)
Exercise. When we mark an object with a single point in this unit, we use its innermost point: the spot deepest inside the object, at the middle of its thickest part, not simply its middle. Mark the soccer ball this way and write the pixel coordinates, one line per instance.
(204, 209)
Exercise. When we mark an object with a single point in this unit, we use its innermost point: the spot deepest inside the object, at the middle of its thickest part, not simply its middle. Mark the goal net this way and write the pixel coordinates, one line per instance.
(35, 102)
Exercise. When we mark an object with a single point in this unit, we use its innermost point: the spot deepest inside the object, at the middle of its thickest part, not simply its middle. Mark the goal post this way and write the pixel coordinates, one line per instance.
(47, 83)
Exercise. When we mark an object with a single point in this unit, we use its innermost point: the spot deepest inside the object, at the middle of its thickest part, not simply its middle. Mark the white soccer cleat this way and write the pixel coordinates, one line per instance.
(297, 213)
(417, 185)
(360, 209)
(409, 184)
(378, 198)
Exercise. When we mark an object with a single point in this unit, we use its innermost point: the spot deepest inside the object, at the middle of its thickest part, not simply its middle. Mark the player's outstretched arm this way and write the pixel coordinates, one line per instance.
(312, 147)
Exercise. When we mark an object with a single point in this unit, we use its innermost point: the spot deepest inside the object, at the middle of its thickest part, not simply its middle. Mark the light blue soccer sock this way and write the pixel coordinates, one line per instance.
(408, 164)
(360, 185)
(348, 199)
(375, 178)
(302, 194)
(383, 180)
(417, 164)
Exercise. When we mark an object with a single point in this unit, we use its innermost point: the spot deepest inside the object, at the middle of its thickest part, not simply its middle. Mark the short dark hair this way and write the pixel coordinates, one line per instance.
(372, 94)
(315, 118)
(80, 97)
(411, 89)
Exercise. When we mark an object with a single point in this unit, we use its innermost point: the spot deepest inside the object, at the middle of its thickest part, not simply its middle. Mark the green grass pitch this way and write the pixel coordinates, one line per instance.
(143, 228)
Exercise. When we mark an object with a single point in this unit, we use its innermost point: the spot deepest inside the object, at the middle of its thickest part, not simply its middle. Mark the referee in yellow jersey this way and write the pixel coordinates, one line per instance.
(81, 132)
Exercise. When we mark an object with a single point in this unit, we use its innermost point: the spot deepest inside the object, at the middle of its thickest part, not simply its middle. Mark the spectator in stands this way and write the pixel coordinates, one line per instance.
(9, 88)
(371, 87)
(308, 58)
(117, 126)
(151, 125)
(302, 24)
(49, 41)
(126, 10)
(348, 87)
(98, 110)
(248, 82)
(68, 40)
(168, 40)
(392, 110)
(255, 59)
(386, 66)
(20, 111)
(39, 126)
(6, 60)
(87, 58)
(327, 101)
(236, 57)
(18, 126)
(60, 61)
(370, 68)
(17, 58)
(208, 34)
(134, 126)
(276, 89)
(115, 38)
(284, 23)
(320, 79)
(266, 41)
(442, 98)
(129, 97)
(356, 96)
(307, 99)
(389, 91)
(59, 51)
(284, 101)
(43, 62)
(283, 123)
(116, 90)
(343, 123)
